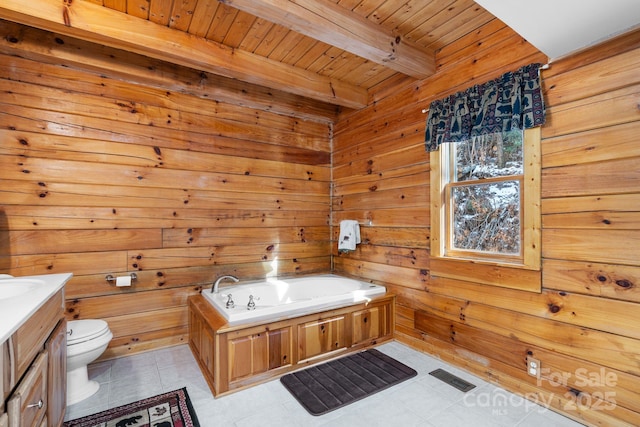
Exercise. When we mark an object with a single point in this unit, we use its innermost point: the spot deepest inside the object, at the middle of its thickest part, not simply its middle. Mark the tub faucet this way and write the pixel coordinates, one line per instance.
(214, 288)
(252, 304)
(230, 303)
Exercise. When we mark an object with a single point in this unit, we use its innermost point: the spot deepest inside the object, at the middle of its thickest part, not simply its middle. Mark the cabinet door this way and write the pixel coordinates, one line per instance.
(259, 352)
(7, 379)
(371, 323)
(28, 403)
(247, 355)
(29, 339)
(321, 336)
(195, 330)
(366, 324)
(207, 349)
(201, 339)
(56, 346)
(279, 348)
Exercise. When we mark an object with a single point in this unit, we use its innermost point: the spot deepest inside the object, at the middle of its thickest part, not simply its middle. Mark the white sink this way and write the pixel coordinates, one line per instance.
(11, 288)
(22, 296)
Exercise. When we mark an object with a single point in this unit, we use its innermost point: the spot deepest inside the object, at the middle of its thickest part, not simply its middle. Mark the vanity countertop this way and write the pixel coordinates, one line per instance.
(16, 309)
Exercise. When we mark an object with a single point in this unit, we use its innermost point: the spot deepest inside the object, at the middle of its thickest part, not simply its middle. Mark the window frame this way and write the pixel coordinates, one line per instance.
(530, 256)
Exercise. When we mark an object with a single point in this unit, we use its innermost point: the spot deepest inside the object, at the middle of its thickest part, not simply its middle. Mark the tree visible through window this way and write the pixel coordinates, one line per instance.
(484, 189)
(485, 199)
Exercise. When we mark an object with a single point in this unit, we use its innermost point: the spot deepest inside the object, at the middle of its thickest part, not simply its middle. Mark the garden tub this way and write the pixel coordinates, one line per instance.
(283, 298)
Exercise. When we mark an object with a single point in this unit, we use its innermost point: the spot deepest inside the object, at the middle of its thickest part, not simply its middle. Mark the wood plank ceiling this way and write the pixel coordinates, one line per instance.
(333, 51)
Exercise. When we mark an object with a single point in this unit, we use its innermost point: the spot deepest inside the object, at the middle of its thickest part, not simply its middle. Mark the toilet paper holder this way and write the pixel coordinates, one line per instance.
(112, 279)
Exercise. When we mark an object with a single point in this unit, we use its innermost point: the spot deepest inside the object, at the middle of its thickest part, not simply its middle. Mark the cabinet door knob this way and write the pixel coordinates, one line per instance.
(39, 405)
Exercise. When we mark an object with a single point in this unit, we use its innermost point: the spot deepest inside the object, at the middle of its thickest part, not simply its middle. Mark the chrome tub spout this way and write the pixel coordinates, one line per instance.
(214, 288)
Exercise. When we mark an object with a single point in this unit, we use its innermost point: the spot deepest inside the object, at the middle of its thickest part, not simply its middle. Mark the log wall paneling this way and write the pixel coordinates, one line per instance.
(108, 173)
(111, 163)
(583, 323)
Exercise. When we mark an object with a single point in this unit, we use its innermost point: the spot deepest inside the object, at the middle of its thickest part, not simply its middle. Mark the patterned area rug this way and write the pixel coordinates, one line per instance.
(172, 409)
(323, 388)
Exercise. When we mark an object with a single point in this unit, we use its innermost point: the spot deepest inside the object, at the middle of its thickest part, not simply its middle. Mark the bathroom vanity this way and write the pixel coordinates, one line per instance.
(33, 351)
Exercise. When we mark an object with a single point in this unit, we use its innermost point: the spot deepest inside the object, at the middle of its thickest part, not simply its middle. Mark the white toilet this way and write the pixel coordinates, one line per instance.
(86, 341)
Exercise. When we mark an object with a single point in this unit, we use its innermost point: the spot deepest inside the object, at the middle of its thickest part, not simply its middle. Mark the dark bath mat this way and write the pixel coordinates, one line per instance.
(323, 388)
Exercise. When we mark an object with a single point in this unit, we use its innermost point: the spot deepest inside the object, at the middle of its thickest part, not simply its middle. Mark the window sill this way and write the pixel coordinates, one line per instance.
(501, 274)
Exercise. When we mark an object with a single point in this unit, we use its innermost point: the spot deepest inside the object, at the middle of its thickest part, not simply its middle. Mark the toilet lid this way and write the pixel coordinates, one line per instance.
(83, 330)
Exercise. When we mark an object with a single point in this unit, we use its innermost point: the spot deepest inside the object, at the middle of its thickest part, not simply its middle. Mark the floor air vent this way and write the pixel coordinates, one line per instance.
(452, 380)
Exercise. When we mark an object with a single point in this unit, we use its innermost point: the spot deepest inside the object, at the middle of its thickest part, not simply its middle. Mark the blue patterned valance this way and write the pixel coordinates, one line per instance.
(512, 101)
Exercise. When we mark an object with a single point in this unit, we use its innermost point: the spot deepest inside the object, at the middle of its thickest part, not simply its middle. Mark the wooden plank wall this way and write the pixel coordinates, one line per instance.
(584, 326)
(99, 175)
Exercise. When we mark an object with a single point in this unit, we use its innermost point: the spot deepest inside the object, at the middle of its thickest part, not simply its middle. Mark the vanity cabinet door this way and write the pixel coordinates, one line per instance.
(7, 379)
(28, 403)
(56, 346)
(29, 339)
(322, 336)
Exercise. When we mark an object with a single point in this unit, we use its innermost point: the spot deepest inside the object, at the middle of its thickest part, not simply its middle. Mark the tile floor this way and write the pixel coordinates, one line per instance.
(421, 401)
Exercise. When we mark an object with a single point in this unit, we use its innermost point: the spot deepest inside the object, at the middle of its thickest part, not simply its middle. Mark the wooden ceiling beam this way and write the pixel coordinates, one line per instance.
(52, 48)
(330, 23)
(87, 21)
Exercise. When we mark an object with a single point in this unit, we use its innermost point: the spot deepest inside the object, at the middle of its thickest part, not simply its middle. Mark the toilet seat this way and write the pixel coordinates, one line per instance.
(79, 331)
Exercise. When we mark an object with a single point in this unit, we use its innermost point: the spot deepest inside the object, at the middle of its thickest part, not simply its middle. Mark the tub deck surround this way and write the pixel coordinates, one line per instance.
(234, 357)
(276, 298)
(19, 306)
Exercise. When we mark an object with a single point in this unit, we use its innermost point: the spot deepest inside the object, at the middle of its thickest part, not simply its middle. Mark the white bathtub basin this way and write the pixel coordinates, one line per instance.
(290, 297)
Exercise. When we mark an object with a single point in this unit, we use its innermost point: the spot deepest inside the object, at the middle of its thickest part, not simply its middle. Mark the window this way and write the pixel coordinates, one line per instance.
(485, 196)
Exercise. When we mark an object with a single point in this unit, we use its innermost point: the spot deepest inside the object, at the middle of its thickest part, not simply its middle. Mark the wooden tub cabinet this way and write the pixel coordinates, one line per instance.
(236, 357)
